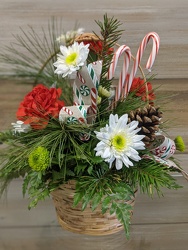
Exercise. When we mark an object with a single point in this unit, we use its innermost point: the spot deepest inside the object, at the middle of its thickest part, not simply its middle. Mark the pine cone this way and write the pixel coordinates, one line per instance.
(148, 120)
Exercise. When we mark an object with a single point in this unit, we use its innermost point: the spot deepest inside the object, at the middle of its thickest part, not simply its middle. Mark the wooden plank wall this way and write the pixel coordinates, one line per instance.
(158, 223)
(168, 18)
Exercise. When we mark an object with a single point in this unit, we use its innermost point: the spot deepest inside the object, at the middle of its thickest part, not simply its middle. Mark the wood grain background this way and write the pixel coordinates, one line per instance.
(168, 18)
(158, 224)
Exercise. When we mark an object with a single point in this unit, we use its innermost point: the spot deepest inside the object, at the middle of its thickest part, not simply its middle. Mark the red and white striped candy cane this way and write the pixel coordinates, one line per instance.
(156, 41)
(122, 79)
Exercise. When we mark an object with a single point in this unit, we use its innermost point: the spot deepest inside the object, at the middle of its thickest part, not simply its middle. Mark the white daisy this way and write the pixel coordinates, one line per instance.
(119, 142)
(71, 59)
(20, 127)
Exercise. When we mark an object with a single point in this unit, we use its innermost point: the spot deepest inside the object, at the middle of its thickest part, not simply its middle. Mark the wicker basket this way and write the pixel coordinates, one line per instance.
(83, 222)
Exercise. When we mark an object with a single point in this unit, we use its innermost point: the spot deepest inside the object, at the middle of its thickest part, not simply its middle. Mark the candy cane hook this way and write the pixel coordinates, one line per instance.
(156, 41)
(127, 57)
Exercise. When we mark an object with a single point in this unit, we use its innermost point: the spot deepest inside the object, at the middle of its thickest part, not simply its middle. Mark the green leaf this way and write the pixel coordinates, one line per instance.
(97, 159)
(90, 170)
(123, 213)
(105, 203)
(85, 201)
(77, 198)
(39, 195)
(96, 200)
(25, 184)
(33, 203)
(113, 208)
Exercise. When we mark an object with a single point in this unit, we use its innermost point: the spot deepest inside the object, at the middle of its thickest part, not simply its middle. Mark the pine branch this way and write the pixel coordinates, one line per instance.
(31, 56)
(111, 34)
(150, 176)
(128, 104)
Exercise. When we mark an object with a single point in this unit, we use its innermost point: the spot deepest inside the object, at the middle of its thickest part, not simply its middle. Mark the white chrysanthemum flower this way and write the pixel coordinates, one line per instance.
(20, 127)
(119, 142)
(72, 58)
(69, 35)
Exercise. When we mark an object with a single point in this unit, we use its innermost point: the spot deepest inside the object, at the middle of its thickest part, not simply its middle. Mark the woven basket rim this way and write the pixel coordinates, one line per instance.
(87, 37)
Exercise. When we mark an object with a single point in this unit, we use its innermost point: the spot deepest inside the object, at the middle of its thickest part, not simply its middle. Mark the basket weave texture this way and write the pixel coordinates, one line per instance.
(83, 222)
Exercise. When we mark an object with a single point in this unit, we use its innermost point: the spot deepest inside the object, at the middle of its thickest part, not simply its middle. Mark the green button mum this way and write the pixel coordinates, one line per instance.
(39, 159)
(180, 145)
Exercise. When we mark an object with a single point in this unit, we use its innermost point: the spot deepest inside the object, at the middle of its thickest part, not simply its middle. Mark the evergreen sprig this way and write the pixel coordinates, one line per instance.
(31, 55)
(128, 104)
(151, 176)
(111, 34)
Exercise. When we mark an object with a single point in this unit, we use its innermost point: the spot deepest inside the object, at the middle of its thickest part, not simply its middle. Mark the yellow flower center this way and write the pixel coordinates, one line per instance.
(71, 59)
(119, 142)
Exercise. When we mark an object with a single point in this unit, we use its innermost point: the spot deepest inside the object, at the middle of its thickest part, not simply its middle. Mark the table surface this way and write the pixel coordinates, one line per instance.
(159, 223)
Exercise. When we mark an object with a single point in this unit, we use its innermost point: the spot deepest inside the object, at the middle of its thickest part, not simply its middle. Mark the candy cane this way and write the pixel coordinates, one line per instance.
(155, 49)
(127, 56)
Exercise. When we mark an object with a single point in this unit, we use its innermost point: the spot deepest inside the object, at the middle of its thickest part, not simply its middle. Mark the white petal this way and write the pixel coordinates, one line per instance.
(111, 161)
(119, 164)
(139, 145)
(126, 161)
(113, 120)
(132, 125)
(122, 123)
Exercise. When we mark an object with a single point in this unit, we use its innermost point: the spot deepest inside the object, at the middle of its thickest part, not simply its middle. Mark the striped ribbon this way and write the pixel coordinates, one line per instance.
(74, 113)
(94, 100)
(68, 111)
(93, 75)
(82, 80)
(78, 95)
(82, 110)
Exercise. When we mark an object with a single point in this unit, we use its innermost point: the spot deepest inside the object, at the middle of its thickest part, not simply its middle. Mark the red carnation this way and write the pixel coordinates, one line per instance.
(97, 46)
(39, 105)
(139, 87)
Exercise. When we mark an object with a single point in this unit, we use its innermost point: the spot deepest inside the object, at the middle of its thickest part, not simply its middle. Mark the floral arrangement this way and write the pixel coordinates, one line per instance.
(79, 124)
